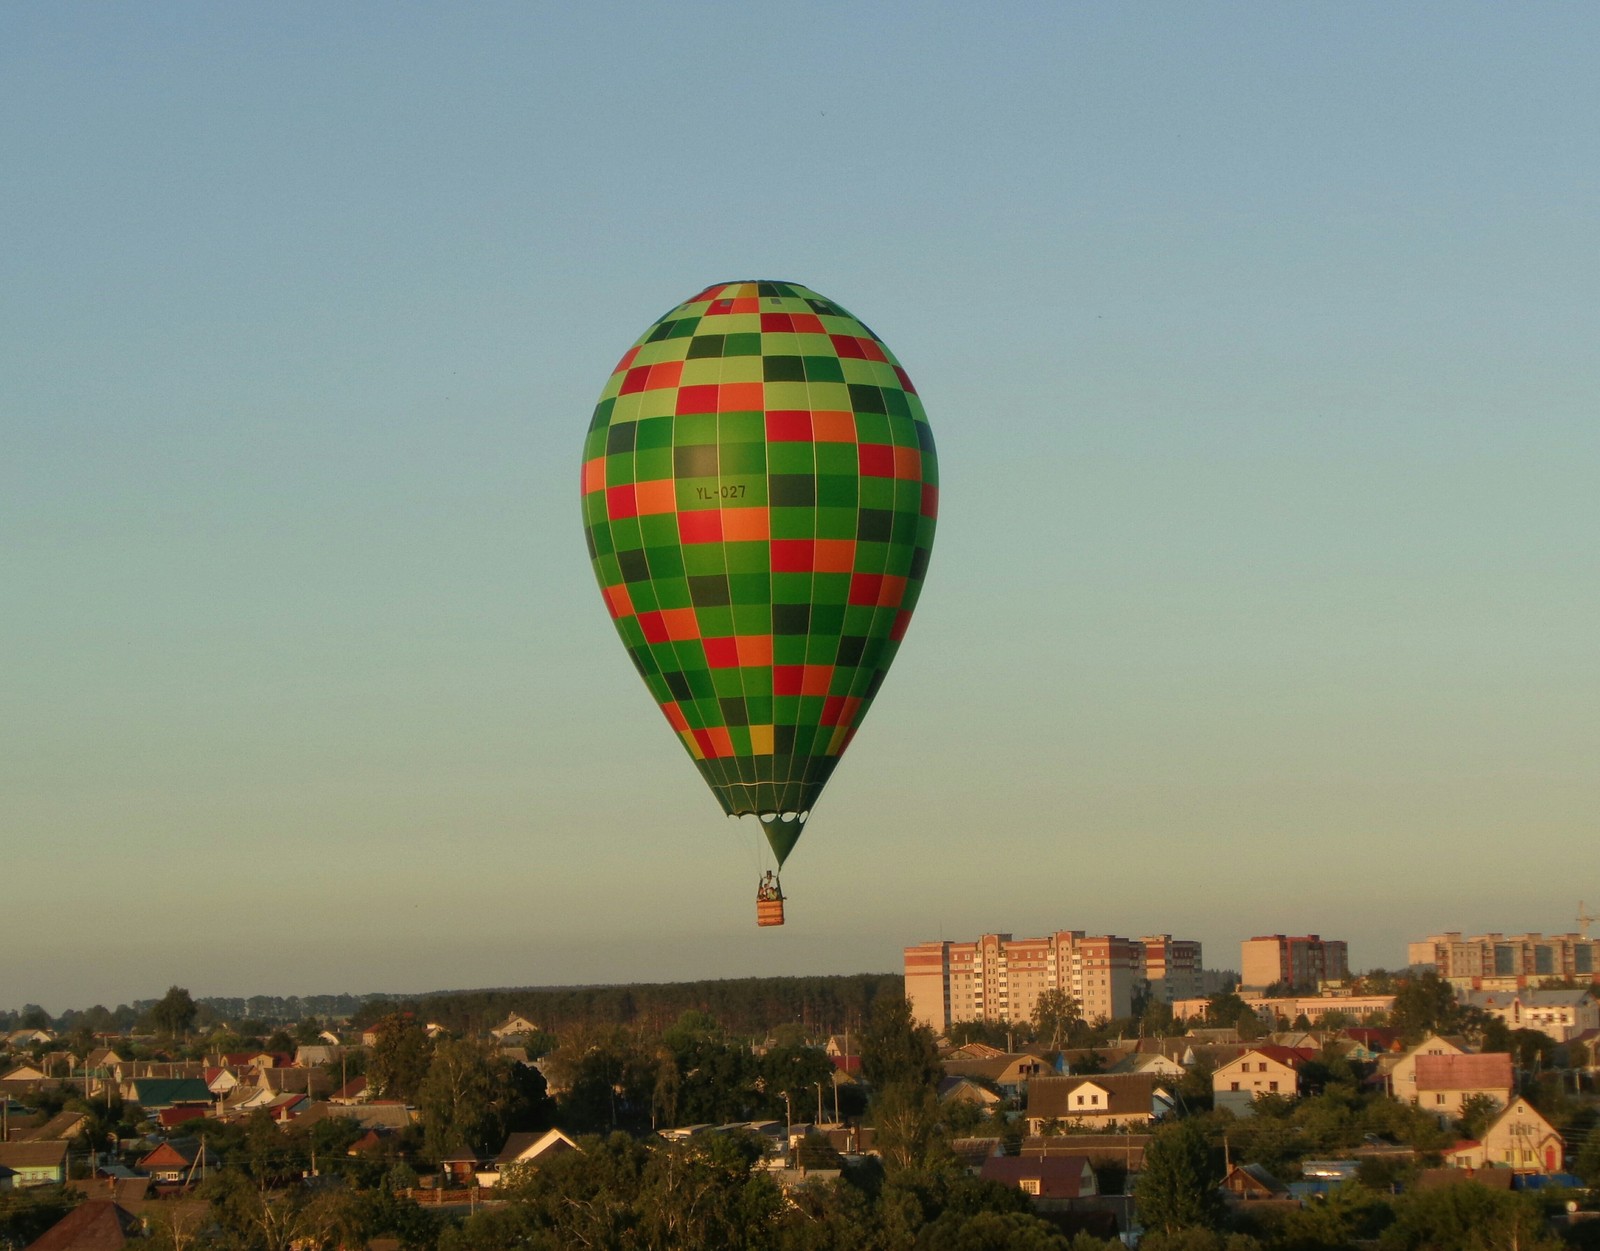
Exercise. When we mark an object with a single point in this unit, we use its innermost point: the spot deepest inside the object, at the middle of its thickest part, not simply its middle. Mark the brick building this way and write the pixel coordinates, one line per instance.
(1000, 978)
(1302, 960)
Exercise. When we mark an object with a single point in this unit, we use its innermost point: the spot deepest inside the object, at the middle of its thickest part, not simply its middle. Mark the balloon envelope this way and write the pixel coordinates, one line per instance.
(759, 495)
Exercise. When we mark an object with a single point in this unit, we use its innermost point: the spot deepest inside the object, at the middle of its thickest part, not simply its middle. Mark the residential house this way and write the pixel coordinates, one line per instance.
(155, 1093)
(526, 1151)
(1262, 1070)
(966, 1090)
(388, 1116)
(94, 1225)
(1041, 1177)
(1521, 1140)
(21, 1038)
(35, 1163)
(1445, 1083)
(1154, 1064)
(1123, 1151)
(1252, 1183)
(513, 1026)
(1493, 1178)
(178, 1161)
(1402, 1070)
(309, 1054)
(1009, 1072)
(1562, 1014)
(355, 1090)
(221, 1081)
(313, 1083)
(1098, 1101)
(63, 1125)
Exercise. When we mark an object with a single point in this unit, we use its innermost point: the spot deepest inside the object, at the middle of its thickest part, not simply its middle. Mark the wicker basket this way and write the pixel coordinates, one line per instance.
(769, 912)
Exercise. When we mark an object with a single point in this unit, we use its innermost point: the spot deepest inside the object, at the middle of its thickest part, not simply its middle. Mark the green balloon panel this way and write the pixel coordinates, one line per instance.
(759, 495)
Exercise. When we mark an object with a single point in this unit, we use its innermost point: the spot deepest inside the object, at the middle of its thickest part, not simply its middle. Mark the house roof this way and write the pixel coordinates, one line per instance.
(1127, 1094)
(61, 1125)
(169, 1118)
(1059, 1177)
(21, 1155)
(123, 1190)
(1294, 1057)
(994, 1068)
(1434, 1178)
(1124, 1149)
(520, 1148)
(1489, 1071)
(1253, 1179)
(94, 1225)
(153, 1093)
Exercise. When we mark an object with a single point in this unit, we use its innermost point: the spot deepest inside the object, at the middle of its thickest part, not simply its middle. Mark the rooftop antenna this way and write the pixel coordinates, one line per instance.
(1583, 921)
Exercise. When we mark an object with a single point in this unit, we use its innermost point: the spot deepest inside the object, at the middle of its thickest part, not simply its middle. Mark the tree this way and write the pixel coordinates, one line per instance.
(1477, 1112)
(1178, 1187)
(895, 1050)
(174, 1014)
(1054, 1014)
(33, 1017)
(400, 1057)
(460, 1100)
(1425, 1004)
(907, 1119)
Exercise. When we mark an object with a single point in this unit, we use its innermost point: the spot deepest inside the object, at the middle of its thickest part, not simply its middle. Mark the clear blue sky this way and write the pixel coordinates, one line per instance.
(1261, 346)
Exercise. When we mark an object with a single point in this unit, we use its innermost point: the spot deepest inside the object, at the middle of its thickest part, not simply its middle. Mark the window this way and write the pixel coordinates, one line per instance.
(1029, 1185)
(1272, 1086)
(1233, 1086)
(1438, 1098)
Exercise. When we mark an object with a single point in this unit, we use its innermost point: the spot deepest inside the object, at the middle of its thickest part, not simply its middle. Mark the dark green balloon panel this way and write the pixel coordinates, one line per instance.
(759, 495)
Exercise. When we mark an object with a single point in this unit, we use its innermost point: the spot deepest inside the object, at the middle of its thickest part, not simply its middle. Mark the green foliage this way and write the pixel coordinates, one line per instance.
(1477, 1111)
(27, 1213)
(1178, 1187)
(471, 1098)
(910, 1136)
(1054, 1014)
(895, 1050)
(1425, 1004)
(1467, 1217)
(173, 1016)
(399, 1059)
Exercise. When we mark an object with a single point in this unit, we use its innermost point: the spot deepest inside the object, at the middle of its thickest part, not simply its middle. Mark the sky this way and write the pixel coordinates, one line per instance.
(1259, 342)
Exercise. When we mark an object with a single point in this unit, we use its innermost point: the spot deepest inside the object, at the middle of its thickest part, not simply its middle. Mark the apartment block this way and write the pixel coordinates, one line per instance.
(1303, 960)
(1000, 978)
(1486, 961)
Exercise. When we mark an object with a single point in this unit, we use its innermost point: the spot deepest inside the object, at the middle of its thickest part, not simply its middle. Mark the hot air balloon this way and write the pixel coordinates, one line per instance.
(759, 495)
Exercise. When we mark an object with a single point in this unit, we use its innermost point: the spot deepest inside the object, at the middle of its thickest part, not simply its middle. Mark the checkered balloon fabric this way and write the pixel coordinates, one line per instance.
(759, 495)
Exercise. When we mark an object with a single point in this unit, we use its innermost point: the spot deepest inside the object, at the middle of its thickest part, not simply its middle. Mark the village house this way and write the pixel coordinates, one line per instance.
(1402, 1070)
(1445, 1083)
(1519, 1139)
(513, 1026)
(35, 1163)
(1258, 1071)
(526, 1151)
(1008, 1072)
(1098, 1101)
(1042, 1178)
(1249, 1183)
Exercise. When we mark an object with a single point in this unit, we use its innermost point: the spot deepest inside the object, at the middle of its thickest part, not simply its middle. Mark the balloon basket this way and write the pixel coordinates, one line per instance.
(769, 912)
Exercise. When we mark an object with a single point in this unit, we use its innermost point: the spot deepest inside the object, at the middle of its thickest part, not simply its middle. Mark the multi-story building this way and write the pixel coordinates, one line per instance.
(1304, 960)
(1172, 967)
(1000, 978)
(1487, 961)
